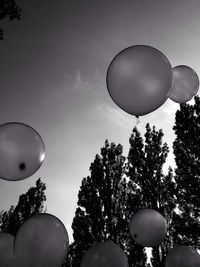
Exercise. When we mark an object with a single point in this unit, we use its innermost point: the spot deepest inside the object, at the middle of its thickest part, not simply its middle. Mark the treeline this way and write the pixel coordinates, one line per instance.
(118, 186)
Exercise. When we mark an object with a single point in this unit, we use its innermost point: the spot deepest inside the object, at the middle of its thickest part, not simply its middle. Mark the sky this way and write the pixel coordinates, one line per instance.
(53, 65)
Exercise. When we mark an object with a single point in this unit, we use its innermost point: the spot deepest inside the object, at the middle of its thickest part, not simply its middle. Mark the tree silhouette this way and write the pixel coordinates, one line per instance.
(8, 8)
(102, 206)
(157, 191)
(30, 203)
(116, 189)
(187, 157)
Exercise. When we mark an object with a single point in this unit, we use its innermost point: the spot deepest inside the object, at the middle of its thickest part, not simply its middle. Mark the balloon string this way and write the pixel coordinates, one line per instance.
(137, 120)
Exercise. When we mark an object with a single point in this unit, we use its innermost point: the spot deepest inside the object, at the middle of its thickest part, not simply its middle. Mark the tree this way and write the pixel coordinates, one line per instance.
(8, 8)
(102, 206)
(30, 203)
(157, 191)
(187, 157)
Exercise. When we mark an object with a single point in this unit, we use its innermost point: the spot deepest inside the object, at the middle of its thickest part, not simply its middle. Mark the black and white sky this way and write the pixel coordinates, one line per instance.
(53, 65)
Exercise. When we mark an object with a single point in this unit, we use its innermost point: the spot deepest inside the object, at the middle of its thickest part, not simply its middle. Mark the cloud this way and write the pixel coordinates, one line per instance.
(115, 117)
(78, 88)
(164, 114)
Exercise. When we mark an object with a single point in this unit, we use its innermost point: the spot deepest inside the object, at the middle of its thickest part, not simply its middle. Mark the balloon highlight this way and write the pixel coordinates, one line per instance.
(22, 151)
(106, 254)
(139, 79)
(41, 241)
(148, 227)
(182, 256)
(185, 84)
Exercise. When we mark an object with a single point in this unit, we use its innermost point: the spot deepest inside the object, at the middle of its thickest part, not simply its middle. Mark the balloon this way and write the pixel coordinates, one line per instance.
(105, 254)
(42, 241)
(148, 227)
(182, 256)
(22, 151)
(185, 84)
(7, 258)
(139, 79)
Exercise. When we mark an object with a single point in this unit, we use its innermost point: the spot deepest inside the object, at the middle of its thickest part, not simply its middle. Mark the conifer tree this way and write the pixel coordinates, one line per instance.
(30, 203)
(157, 191)
(187, 156)
(8, 8)
(102, 207)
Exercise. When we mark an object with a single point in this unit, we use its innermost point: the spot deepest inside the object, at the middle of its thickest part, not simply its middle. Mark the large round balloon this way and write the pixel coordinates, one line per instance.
(22, 151)
(148, 227)
(139, 79)
(182, 256)
(106, 254)
(7, 258)
(42, 241)
(185, 84)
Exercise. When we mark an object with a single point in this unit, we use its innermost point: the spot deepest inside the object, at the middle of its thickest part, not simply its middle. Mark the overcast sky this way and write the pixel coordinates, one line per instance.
(53, 65)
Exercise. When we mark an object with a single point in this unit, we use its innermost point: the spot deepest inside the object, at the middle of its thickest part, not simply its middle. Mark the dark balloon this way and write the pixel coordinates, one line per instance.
(42, 241)
(139, 79)
(185, 84)
(182, 256)
(105, 254)
(148, 227)
(22, 151)
(7, 258)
